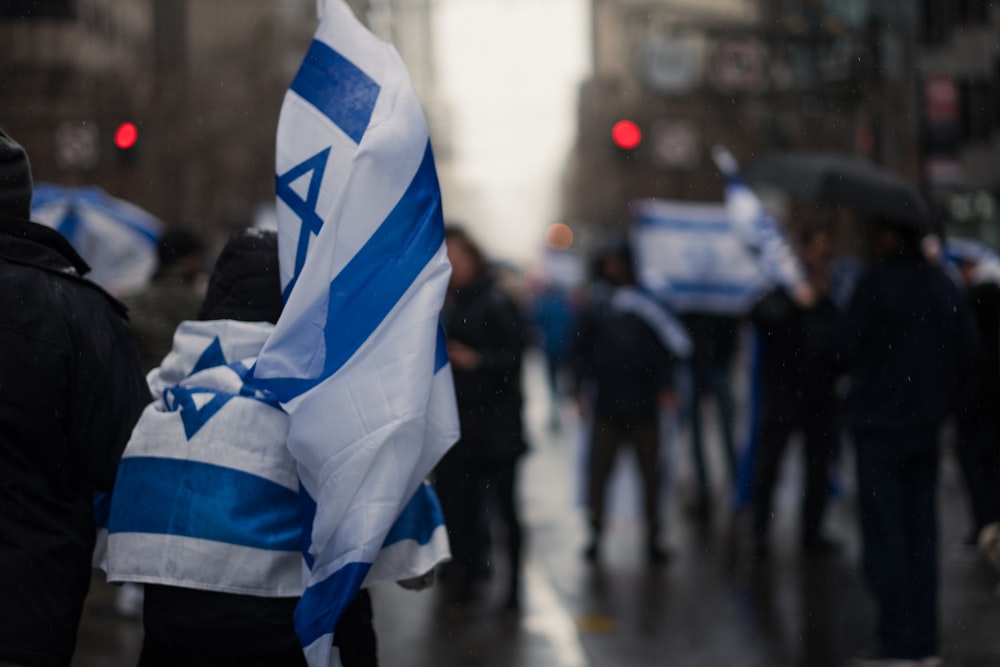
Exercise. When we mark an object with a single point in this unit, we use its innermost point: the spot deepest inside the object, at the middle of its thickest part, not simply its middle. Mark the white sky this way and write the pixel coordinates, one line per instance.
(509, 70)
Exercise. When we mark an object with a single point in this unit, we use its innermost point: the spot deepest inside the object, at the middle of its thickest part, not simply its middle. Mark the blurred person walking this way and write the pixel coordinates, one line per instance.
(714, 347)
(800, 373)
(485, 334)
(978, 424)
(908, 343)
(624, 374)
(71, 388)
(554, 319)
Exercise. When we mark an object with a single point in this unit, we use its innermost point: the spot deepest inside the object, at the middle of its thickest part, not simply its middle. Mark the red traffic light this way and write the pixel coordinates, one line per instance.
(126, 136)
(626, 134)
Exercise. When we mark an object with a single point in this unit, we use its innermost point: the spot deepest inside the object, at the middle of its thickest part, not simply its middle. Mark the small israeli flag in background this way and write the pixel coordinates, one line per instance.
(357, 358)
(756, 228)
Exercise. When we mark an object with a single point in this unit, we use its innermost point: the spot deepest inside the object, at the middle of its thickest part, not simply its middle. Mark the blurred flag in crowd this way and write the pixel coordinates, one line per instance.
(116, 238)
(690, 255)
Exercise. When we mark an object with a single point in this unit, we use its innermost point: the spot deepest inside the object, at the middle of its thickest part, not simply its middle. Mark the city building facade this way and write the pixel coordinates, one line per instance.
(751, 75)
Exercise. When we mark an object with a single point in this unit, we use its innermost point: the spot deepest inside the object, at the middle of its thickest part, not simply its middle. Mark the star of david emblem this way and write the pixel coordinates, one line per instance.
(197, 405)
(304, 209)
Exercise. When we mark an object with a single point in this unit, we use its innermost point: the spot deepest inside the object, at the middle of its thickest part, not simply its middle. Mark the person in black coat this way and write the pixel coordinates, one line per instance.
(71, 389)
(908, 343)
(714, 337)
(800, 372)
(486, 337)
(978, 421)
(624, 375)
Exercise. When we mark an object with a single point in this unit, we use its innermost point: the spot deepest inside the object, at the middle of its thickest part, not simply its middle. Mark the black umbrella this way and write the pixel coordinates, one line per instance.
(843, 180)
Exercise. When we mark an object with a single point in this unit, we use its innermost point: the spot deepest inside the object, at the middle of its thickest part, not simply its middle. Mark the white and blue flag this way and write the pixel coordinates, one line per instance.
(712, 257)
(357, 358)
(207, 494)
(689, 254)
(757, 229)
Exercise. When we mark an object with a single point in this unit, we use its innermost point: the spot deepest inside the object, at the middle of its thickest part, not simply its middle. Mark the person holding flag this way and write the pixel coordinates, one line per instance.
(357, 358)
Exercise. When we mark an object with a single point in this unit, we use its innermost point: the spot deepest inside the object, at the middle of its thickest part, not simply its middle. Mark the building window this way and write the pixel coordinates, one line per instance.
(37, 9)
(972, 12)
(937, 18)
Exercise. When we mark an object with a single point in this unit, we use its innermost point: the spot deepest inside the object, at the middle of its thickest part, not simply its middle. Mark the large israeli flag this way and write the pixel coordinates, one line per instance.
(357, 358)
(207, 494)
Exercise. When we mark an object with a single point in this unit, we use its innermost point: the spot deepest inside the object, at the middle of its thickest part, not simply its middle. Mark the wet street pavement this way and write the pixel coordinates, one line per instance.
(711, 605)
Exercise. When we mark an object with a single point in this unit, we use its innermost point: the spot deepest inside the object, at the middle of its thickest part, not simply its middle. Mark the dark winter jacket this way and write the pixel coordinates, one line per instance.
(620, 360)
(71, 389)
(984, 397)
(714, 338)
(909, 344)
(799, 362)
(486, 319)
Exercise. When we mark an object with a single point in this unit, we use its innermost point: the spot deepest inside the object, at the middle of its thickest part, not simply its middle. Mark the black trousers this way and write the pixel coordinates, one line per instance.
(978, 453)
(897, 501)
(608, 437)
(501, 495)
(817, 422)
(458, 480)
(204, 628)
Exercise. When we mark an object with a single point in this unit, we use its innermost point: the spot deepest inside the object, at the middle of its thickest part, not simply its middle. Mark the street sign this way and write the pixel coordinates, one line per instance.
(739, 65)
(76, 146)
(671, 65)
(676, 144)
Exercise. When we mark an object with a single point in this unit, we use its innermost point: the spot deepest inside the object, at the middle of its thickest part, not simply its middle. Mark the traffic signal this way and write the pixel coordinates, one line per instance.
(126, 139)
(626, 135)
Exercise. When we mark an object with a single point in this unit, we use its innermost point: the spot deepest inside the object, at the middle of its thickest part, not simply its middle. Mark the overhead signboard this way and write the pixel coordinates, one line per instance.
(76, 146)
(739, 65)
(676, 144)
(671, 64)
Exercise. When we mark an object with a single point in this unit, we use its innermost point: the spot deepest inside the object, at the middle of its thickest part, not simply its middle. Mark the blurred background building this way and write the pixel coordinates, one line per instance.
(912, 84)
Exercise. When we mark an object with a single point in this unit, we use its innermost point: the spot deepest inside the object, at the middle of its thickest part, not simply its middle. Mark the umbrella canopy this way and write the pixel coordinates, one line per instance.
(843, 180)
(984, 259)
(116, 238)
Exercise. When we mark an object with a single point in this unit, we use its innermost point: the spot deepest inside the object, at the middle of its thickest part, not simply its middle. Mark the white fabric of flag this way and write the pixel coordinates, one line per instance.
(357, 358)
(115, 237)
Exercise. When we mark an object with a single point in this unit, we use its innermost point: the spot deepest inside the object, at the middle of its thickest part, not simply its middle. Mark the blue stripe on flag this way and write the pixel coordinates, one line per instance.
(375, 279)
(205, 501)
(121, 214)
(69, 226)
(307, 514)
(337, 88)
(322, 604)
(418, 520)
(685, 225)
(440, 350)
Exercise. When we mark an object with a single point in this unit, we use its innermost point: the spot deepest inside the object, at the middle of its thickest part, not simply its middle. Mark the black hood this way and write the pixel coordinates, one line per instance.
(245, 284)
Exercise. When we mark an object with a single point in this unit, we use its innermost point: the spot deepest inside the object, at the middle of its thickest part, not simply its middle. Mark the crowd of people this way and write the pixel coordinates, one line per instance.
(915, 346)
